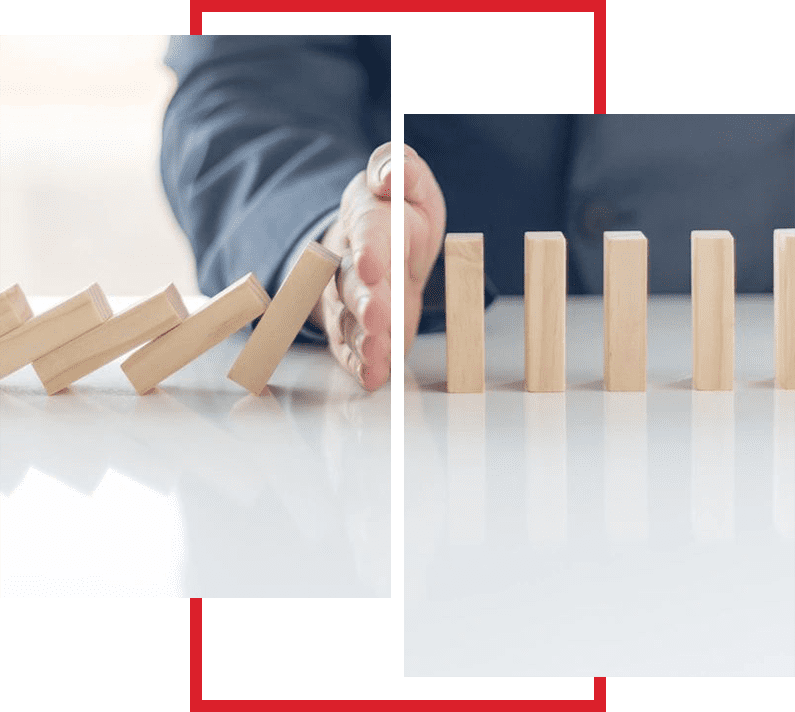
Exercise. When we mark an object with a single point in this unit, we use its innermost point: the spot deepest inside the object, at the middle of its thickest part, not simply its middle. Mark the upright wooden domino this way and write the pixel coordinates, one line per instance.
(784, 299)
(227, 312)
(626, 257)
(53, 328)
(713, 309)
(285, 316)
(14, 309)
(135, 326)
(544, 311)
(465, 312)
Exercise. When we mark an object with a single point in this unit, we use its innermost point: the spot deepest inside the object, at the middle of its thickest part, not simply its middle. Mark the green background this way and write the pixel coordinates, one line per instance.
(677, 58)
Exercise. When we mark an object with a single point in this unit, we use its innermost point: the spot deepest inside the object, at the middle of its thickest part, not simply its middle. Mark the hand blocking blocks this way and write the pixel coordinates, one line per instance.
(81, 334)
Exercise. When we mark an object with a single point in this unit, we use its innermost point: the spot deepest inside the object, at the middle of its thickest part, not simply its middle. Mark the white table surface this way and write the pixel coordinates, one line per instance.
(594, 533)
(197, 489)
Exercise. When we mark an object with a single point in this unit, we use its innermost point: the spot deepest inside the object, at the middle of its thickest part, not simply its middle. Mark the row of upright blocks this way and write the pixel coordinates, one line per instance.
(625, 304)
(82, 334)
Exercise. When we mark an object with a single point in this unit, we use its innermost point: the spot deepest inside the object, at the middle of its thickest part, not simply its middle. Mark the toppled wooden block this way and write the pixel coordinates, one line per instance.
(14, 309)
(713, 309)
(135, 326)
(784, 299)
(227, 312)
(465, 313)
(53, 328)
(626, 256)
(281, 323)
(544, 311)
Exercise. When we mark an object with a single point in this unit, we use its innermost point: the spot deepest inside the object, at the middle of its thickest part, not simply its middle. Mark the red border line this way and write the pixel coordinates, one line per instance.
(597, 7)
(197, 704)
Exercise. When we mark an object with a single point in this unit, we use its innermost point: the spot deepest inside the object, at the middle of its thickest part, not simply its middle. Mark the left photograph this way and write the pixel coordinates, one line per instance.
(195, 316)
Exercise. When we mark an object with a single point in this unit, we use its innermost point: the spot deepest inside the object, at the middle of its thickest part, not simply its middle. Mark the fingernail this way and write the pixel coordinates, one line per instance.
(385, 169)
(358, 344)
(361, 307)
(361, 372)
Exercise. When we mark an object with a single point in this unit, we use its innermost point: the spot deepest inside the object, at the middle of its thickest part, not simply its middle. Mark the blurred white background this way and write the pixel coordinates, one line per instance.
(80, 193)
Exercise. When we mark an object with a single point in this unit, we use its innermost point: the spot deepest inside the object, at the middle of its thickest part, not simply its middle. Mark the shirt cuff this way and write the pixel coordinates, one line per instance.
(309, 331)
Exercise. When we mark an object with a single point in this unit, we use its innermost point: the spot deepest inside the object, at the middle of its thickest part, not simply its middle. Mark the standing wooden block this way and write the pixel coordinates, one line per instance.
(626, 258)
(465, 312)
(227, 312)
(53, 328)
(544, 311)
(285, 317)
(14, 309)
(135, 326)
(784, 299)
(713, 309)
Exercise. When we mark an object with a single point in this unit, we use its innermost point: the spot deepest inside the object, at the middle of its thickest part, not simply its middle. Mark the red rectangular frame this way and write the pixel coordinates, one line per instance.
(598, 7)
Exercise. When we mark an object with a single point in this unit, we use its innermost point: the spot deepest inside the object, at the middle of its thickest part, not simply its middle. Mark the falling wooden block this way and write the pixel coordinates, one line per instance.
(53, 328)
(544, 311)
(14, 309)
(713, 309)
(626, 257)
(784, 299)
(227, 312)
(135, 326)
(286, 315)
(465, 312)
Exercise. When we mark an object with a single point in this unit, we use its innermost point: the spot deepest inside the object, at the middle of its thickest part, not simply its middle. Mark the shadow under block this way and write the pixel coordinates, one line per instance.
(626, 259)
(14, 309)
(784, 299)
(53, 328)
(713, 309)
(121, 333)
(285, 316)
(465, 312)
(544, 311)
(227, 312)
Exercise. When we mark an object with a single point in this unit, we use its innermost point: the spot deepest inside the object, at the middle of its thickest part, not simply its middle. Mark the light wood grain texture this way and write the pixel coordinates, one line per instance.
(465, 312)
(713, 309)
(122, 333)
(286, 315)
(14, 309)
(784, 299)
(626, 257)
(227, 312)
(53, 328)
(544, 311)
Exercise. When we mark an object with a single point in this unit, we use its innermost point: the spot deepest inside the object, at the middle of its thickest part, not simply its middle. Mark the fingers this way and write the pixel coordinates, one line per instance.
(379, 173)
(369, 235)
(370, 304)
(419, 183)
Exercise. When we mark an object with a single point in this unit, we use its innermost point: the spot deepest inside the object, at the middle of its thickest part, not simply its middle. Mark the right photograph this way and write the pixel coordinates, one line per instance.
(599, 395)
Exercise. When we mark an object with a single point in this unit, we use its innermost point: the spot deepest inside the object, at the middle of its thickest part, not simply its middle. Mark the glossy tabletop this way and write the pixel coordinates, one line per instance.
(595, 533)
(197, 489)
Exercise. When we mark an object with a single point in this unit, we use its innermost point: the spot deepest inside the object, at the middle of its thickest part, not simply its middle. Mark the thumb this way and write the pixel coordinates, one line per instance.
(379, 171)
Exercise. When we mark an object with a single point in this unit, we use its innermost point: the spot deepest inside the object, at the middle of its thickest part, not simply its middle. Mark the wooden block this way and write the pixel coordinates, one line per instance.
(544, 311)
(14, 309)
(465, 312)
(291, 306)
(713, 309)
(53, 328)
(784, 301)
(626, 257)
(227, 312)
(135, 326)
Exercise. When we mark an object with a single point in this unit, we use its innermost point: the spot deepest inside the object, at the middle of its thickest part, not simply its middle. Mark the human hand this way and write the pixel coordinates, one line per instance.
(424, 221)
(354, 309)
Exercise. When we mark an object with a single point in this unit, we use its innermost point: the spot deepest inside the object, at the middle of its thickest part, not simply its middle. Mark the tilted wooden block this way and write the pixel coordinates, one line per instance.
(626, 258)
(53, 328)
(465, 312)
(227, 312)
(285, 317)
(544, 311)
(135, 326)
(784, 299)
(713, 309)
(14, 309)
